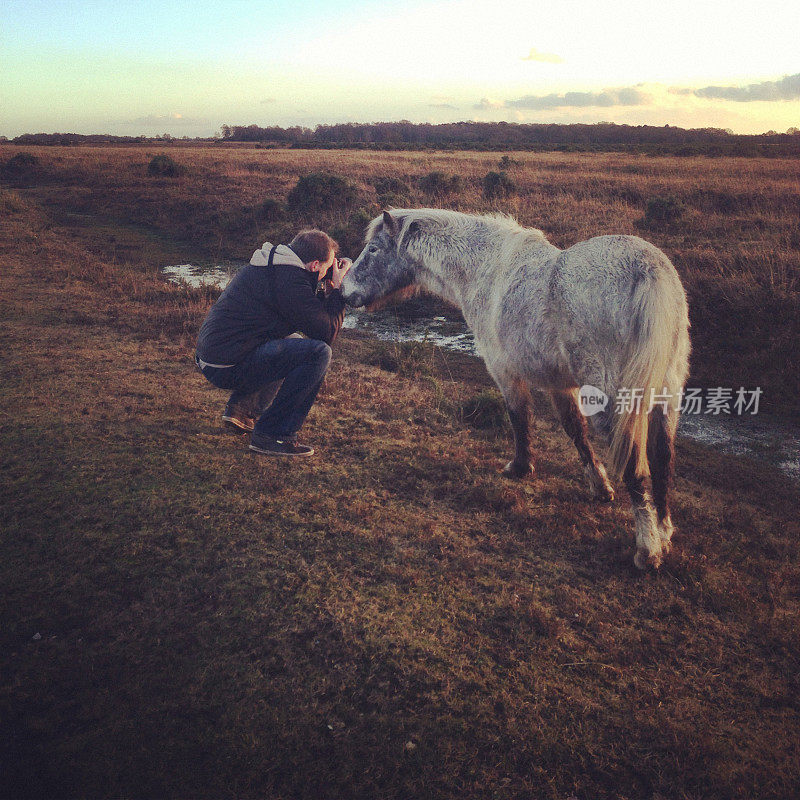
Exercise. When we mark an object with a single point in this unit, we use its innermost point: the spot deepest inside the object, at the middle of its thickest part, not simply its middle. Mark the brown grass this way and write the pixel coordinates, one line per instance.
(389, 619)
(737, 245)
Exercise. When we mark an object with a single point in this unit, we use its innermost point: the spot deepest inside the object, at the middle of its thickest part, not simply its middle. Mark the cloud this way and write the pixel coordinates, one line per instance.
(487, 104)
(156, 121)
(787, 88)
(547, 58)
(269, 101)
(626, 96)
(441, 105)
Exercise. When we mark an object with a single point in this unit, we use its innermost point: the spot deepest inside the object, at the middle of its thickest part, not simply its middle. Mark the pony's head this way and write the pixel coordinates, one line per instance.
(385, 271)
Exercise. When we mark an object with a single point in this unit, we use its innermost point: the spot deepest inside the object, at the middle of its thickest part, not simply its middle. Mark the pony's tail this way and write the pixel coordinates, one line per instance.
(649, 357)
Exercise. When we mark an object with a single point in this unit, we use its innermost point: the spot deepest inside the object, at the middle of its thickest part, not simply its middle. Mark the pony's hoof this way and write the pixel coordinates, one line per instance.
(643, 559)
(515, 470)
(599, 485)
(665, 531)
(604, 495)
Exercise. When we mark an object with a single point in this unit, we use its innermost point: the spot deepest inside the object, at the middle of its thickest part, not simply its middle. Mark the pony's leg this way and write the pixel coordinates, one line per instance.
(518, 400)
(648, 541)
(661, 458)
(574, 424)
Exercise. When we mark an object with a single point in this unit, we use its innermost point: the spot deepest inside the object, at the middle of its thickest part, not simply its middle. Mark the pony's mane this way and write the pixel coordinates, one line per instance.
(447, 218)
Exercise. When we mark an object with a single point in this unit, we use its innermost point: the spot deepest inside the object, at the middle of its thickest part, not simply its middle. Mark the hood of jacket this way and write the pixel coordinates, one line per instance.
(283, 255)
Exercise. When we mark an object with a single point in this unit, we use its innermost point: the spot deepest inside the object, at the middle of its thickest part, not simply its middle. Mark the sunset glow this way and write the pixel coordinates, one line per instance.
(186, 69)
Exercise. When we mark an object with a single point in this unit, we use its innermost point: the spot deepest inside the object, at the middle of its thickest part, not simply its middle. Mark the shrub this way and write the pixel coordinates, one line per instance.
(388, 184)
(439, 184)
(391, 192)
(351, 235)
(506, 162)
(20, 167)
(721, 202)
(663, 211)
(22, 161)
(390, 200)
(321, 192)
(498, 184)
(271, 210)
(486, 411)
(11, 202)
(162, 166)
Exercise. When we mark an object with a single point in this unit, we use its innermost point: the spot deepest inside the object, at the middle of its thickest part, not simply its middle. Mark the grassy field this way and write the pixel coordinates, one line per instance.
(736, 242)
(390, 619)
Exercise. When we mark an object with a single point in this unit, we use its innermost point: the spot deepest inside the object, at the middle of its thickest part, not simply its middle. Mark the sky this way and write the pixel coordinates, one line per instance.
(187, 68)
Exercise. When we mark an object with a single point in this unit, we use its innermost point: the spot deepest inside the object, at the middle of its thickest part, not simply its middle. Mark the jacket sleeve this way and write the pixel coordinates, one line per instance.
(314, 316)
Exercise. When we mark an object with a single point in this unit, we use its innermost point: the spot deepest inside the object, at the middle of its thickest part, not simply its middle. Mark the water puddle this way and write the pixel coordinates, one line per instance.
(757, 436)
(438, 330)
(196, 277)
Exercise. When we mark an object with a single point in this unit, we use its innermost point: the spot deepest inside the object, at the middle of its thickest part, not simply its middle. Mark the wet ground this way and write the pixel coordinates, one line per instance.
(759, 436)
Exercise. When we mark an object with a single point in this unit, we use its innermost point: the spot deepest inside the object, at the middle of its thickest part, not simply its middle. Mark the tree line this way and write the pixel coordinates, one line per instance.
(405, 135)
(519, 136)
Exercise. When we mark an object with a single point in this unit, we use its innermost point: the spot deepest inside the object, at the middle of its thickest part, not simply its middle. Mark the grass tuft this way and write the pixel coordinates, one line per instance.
(163, 166)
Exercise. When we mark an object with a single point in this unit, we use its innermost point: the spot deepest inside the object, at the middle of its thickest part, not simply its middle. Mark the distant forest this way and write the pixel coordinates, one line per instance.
(601, 137)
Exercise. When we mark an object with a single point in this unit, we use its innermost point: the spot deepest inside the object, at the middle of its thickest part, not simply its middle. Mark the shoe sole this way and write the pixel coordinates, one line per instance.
(232, 422)
(279, 453)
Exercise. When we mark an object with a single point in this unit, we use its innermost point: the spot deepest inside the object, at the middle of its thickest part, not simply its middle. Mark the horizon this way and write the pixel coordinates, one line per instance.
(93, 67)
(359, 123)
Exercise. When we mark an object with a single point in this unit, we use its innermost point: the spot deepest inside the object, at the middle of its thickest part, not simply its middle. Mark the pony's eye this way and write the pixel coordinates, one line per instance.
(373, 248)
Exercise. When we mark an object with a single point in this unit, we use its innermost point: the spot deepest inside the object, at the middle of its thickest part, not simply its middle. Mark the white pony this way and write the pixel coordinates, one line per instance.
(609, 312)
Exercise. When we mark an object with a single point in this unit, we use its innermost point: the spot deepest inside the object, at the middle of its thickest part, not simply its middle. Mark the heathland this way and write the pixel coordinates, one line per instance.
(391, 618)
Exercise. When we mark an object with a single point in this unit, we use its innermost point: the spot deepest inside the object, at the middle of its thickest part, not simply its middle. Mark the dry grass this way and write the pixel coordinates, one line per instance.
(391, 619)
(737, 245)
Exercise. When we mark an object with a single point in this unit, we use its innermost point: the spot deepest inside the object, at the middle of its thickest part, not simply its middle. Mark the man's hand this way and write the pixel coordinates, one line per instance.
(339, 269)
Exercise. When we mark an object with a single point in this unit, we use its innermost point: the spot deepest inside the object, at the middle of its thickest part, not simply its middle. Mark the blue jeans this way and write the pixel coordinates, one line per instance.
(301, 363)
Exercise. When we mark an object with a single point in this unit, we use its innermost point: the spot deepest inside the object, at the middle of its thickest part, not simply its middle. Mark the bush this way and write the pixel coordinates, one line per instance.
(498, 184)
(663, 211)
(486, 411)
(506, 162)
(20, 167)
(720, 202)
(351, 235)
(271, 210)
(391, 192)
(22, 161)
(439, 184)
(387, 184)
(319, 193)
(390, 200)
(164, 167)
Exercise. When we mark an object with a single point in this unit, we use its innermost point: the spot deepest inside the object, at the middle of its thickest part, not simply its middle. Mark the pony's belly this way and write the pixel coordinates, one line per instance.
(533, 367)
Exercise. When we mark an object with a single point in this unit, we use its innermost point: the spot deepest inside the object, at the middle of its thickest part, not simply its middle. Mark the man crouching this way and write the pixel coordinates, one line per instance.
(242, 346)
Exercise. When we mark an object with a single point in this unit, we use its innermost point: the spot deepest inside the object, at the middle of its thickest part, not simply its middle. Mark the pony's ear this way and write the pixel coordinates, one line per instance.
(391, 225)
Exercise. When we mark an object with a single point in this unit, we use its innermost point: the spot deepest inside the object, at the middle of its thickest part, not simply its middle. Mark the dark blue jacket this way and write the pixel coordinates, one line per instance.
(262, 303)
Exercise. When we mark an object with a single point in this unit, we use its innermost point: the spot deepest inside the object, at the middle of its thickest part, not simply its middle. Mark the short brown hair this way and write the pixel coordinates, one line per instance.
(313, 245)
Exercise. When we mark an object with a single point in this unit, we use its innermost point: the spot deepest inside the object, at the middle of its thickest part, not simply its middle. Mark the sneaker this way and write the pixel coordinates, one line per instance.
(278, 447)
(237, 419)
